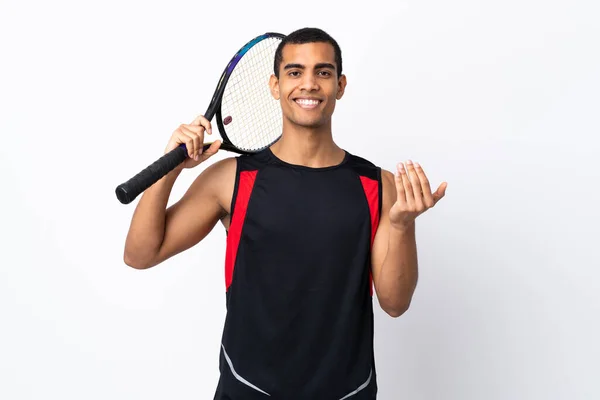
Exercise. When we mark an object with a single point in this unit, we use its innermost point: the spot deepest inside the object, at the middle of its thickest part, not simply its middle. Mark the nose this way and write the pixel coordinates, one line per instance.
(309, 82)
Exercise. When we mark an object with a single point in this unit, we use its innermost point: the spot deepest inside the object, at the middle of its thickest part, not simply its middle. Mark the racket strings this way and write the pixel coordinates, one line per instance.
(256, 120)
(254, 98)
(260, 120)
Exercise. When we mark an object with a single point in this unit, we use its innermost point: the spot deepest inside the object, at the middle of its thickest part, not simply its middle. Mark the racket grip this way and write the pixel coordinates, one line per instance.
(128, 191)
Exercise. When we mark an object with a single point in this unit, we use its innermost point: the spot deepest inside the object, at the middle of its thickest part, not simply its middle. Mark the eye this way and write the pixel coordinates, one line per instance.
(324, 73)
(294, 73)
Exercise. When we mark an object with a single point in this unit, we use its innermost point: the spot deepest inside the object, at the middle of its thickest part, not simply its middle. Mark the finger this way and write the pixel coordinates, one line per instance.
(198, 129)
(197, 146)
(201, 121)
(406, 186)
(186, 136)
(415, 184)
(425, 186)
(440, 192)
(400, 194)
(410, 200)
(212, 150)
(197, 120)
(198, 134)
(193, 148)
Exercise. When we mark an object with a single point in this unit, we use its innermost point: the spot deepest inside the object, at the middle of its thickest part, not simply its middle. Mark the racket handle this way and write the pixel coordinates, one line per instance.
(128, 191)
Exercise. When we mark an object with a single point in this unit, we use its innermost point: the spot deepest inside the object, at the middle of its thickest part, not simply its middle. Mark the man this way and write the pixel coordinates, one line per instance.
(312, 229)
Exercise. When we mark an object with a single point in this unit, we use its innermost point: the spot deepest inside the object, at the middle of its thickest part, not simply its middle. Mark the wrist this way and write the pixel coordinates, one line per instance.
(166, 182)
(402, 228)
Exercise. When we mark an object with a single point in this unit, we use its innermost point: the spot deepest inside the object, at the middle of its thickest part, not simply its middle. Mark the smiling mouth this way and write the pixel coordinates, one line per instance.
(308, 104)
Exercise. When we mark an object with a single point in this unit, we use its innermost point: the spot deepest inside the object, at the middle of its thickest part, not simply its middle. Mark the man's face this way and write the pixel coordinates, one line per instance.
(308, 86)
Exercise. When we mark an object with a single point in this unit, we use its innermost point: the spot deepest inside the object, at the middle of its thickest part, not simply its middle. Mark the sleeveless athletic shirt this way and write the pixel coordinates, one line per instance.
(299, 291)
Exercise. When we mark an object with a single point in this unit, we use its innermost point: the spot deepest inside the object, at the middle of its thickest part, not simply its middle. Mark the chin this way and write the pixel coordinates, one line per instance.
(313, 121)
(310, 124)
(305, 122)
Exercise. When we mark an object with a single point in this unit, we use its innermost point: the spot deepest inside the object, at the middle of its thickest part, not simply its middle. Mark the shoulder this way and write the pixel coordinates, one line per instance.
(255, 161)
(367, 168)
(227, 168)
(219, 179)
(387, 178)
(363, 167)
(360, 162)
(219, 170)
(388, 185)
(215, 183)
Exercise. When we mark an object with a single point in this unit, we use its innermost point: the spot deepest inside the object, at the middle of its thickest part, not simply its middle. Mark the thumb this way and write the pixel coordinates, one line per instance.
(440, 192)
(197, 120)
(212, 150)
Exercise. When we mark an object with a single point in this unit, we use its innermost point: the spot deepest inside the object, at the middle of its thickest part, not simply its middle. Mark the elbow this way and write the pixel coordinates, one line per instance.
(134, 262)
(396, 310)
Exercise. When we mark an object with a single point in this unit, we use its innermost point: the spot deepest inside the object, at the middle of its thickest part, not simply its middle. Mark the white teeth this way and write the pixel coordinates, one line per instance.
(307, 102)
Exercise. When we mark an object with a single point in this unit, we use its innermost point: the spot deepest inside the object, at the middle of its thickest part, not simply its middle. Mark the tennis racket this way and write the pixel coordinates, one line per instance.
(248, 118)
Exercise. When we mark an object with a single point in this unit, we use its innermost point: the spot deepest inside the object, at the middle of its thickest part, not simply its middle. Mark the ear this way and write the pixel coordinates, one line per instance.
(341, 87)
(274, 86)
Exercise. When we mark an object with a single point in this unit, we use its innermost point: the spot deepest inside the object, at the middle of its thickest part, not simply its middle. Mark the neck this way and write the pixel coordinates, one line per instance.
(309, 147)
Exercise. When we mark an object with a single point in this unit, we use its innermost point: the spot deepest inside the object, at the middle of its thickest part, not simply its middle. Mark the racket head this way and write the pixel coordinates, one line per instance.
(249, 119)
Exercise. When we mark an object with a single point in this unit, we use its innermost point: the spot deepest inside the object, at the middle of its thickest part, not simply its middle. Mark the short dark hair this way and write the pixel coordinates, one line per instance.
(308, 35)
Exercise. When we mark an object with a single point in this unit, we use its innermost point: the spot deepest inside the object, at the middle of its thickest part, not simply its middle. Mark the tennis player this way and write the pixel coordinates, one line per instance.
(312, 232)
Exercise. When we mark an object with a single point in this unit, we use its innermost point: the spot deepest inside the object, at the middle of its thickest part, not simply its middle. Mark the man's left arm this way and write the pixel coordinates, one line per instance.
(394, 262)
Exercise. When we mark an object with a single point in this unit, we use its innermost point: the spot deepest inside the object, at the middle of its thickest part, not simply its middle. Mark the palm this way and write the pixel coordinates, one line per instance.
(413, 195)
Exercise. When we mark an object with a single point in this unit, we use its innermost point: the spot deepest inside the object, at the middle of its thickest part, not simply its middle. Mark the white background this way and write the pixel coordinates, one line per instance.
(500, 99)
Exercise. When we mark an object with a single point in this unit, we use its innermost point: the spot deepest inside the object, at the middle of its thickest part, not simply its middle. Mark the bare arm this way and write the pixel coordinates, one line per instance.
(394, 256)
(157, 234)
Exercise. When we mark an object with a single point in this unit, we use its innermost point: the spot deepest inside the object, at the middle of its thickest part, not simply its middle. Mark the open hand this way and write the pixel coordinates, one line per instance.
(414, 195)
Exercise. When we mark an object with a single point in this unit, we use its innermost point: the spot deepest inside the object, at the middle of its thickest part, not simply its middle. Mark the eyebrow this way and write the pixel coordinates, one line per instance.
(317, 66)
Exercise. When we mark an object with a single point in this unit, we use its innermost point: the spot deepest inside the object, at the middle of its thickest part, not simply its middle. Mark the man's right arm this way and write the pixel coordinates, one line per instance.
(157, 233)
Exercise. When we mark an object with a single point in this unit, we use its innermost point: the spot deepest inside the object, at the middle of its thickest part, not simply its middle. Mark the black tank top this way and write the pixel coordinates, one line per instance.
(299, 290)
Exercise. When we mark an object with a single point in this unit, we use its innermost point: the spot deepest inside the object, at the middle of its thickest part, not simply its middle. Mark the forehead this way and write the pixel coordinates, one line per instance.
(308, 54)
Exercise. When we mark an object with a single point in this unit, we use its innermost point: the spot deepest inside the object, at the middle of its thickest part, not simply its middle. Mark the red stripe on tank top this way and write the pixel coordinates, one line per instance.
(245, 185)
(371, 188)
